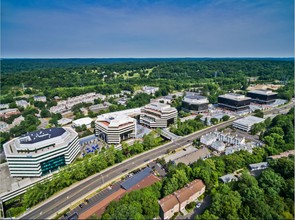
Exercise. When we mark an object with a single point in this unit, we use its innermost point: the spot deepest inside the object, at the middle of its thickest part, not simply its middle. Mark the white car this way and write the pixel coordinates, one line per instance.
(198, 205)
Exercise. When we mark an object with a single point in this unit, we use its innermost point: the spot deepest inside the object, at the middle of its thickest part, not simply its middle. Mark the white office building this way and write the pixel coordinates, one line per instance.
(82, 121)
(158, 115)
(245, 124)
(41, 152)
(114, 128)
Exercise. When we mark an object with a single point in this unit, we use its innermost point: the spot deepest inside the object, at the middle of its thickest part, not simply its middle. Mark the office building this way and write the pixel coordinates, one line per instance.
(262, 96)
(114, 128)
(245, 124)
(194, 102)
(234, 102)
(41, 152)
(158, 115)
(82, 121)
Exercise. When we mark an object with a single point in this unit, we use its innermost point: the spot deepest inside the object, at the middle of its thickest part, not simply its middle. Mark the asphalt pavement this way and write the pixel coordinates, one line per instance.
(65, 199)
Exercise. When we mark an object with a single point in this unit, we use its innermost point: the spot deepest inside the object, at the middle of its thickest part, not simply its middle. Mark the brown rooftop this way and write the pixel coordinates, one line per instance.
(168, 202)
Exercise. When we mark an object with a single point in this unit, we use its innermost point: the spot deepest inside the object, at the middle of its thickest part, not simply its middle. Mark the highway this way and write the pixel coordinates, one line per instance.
(51, 207)
(64, 199)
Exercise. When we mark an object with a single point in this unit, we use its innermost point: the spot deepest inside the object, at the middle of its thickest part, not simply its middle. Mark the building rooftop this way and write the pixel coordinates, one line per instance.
(132, 181)
(193, 157)
(39, 142)
(258, 165)
(228, 178)
(114, 120)
(249, 120)
(159, 107)
(235, 97)
(263, 92)
(82, 121)
(41, 135)
(168, 202)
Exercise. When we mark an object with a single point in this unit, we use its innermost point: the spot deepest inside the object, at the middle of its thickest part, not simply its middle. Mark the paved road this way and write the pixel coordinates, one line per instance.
(78, 191)
(51, 207)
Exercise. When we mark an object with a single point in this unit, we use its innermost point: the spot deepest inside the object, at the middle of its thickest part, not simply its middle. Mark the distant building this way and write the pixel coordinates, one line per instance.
(262, 96)
(150, 90)
(218, 146)
(190, 158)
(195, 103)
(246, 147)
(114, 128)
(40, 152)
(4, 106)
(6, 113)
(258, 166)
(3, 126)
(158, 115)
(82, 121)
(228, 178)
(211, 137)
(246, 124)
(40, 98)
(99, 107)
(22, 103)
(177, 201)
(234, 102)
(64, 121)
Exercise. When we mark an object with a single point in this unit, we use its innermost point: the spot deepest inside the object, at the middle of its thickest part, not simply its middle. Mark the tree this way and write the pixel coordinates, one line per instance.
(214, 121)
(45, 113)
(259, 113)
(225, 118)
(271, 182)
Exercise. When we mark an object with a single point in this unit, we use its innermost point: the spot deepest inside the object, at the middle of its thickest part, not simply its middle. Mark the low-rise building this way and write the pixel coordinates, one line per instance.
(99, 107)
(40, 98)
(262, 96)
(246, 147)
(195, 103)
(228, 178)
(190, 158)
(218, 146)
(211, 137)
(3, 126)
(4, 106)
(114, 128)
(82, 121)
(22, 103)
(41, 152)
(245, 124)
(177, 201)
(6, 113)
(64, 121)
(258, 166)
(150, 90)
(208, 139)
(158, 115)
(234, 102)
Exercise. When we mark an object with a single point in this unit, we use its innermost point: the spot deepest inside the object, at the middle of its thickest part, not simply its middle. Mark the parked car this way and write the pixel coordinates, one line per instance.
(198, 205)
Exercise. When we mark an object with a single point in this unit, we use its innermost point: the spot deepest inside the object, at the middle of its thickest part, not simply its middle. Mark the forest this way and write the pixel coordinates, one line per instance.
(73, 77)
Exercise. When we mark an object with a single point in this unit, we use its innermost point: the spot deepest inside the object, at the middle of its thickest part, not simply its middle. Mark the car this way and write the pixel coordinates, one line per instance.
(198, 205)
(81, 205)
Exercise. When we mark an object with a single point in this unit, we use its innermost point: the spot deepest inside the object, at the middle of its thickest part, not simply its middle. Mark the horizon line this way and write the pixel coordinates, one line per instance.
(205, 57)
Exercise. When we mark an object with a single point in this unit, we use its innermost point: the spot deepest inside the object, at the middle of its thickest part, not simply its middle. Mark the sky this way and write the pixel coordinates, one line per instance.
(142, 28)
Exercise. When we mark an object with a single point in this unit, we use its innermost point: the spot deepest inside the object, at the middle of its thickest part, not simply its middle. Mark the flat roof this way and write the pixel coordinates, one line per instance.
(263, 92)
(249, 120)
(41, 135)
(114, 120)
(235, 96)
(127, 184)
(83, 121)
(193, 157)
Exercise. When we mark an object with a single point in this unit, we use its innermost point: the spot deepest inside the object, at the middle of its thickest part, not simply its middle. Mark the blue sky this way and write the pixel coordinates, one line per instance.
(109, 28)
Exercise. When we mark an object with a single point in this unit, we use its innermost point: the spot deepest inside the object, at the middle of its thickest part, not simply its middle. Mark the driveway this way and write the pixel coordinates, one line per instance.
(197, 211)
